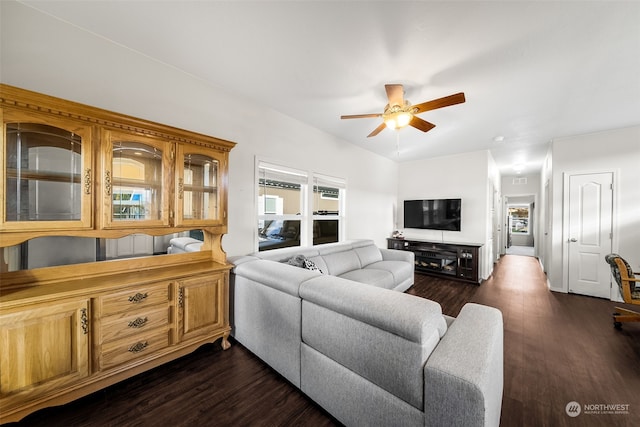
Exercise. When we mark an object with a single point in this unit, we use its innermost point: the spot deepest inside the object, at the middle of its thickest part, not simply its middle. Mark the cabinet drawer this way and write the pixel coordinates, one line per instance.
(134, 299)
(133, 322)
(126, 349)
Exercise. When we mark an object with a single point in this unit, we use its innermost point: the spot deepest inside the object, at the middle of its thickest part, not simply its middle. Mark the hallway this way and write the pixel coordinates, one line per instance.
(560, 348)
(521, 250)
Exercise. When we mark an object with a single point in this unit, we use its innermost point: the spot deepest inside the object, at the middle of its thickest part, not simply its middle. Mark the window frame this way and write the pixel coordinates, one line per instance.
(511, 219)
(306, 215)
(317, 179)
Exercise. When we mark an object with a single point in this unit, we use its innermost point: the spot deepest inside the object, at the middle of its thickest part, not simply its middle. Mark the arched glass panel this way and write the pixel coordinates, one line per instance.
(44, 173)
(137, 181)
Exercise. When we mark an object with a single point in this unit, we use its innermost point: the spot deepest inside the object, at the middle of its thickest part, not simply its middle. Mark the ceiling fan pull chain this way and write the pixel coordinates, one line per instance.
(398, 142)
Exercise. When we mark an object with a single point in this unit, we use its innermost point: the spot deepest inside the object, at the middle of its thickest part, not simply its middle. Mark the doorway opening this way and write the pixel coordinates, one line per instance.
(520, 225)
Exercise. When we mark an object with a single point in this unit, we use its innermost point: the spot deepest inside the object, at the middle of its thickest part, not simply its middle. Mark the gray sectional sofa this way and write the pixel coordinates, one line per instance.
(368, 353)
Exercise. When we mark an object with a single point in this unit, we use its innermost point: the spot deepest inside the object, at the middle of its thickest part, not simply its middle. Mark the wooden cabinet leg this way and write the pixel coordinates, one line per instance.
(226, 345)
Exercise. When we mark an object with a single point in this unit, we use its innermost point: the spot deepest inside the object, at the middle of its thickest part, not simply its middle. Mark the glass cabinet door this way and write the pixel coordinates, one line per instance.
(198, 186)
(135, 181)
(47, 174)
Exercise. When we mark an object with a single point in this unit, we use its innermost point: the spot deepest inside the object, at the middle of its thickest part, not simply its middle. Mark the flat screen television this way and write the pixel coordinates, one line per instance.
(433, 214)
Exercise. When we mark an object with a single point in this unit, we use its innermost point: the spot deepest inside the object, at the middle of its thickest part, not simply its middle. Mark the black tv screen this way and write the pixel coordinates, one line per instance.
(433, 214)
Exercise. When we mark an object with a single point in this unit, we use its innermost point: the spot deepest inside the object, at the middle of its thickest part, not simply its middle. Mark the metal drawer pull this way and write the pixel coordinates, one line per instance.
(138, 297)
(138, 323)
(138, 347)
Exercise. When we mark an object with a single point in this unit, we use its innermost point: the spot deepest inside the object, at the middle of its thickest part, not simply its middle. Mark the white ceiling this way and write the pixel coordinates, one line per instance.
(531, 71)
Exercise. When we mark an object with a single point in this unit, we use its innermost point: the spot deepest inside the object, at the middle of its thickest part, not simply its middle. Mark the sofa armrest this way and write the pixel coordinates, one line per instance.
(283, 277)
(397, 255)
(463, 377)
(241, 259)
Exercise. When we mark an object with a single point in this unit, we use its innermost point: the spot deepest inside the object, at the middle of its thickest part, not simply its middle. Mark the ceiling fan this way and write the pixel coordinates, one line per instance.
(399, 112)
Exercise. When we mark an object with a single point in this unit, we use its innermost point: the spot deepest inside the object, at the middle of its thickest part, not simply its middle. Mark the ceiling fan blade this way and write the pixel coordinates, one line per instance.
(377, 130)
(420, 124)
(458, 98)
(361, 116)
(395, 93)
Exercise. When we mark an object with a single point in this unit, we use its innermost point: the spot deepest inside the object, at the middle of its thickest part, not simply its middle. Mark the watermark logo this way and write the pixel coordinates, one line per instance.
(573, 409)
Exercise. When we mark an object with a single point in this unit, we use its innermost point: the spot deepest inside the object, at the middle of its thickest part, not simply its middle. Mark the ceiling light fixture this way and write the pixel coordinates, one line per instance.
(396, 116)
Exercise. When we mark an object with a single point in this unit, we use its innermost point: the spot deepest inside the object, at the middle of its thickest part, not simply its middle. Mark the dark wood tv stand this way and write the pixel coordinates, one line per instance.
(456, 261)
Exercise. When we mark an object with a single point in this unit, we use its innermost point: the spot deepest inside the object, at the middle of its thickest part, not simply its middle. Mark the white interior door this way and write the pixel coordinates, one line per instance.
(590, 221)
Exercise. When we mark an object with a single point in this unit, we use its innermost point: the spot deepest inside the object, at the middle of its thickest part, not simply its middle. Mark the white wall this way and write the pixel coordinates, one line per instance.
(46, 55)
(463, 176)
(494, 203)
(615, 151)
(532, 187)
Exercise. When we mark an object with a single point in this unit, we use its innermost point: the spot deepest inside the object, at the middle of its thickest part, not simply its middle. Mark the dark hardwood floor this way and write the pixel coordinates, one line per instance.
(558, 349)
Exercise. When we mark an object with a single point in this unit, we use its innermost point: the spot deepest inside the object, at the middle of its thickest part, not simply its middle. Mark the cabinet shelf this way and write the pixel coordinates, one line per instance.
(33, 175)
(200, 189)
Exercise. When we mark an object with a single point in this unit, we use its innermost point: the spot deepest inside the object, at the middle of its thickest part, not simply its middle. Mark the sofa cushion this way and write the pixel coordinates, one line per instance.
(368, 254)
(280, 276)
(340, 262)
(284, 254)
(384, 336)
(400, 270)
(370, 276)
(376, 306)
(331, 248)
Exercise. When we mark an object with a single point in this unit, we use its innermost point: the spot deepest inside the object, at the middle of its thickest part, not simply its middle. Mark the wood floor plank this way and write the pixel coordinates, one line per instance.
(558, 348)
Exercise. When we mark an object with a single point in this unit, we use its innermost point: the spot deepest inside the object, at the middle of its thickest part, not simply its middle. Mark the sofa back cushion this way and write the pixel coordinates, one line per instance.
(340, 262)
(368, 254)
(285, 254)
(382, 335)
(277, 275)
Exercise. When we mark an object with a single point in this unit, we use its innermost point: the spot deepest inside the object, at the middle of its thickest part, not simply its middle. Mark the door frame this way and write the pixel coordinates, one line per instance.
(566, 175)
(505, 221)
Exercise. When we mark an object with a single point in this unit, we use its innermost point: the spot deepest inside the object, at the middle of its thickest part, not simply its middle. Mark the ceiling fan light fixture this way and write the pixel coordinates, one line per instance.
(399, 112)
(403, 119)
(397, 119)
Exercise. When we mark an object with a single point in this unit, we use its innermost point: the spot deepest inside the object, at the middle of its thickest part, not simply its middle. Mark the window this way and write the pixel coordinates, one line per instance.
(281, 206)
(328, 196)
(519, 219)
(290, 215)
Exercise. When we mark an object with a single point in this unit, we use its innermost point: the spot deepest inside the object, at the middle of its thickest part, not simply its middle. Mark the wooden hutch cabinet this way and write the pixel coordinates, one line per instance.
(94, 179)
